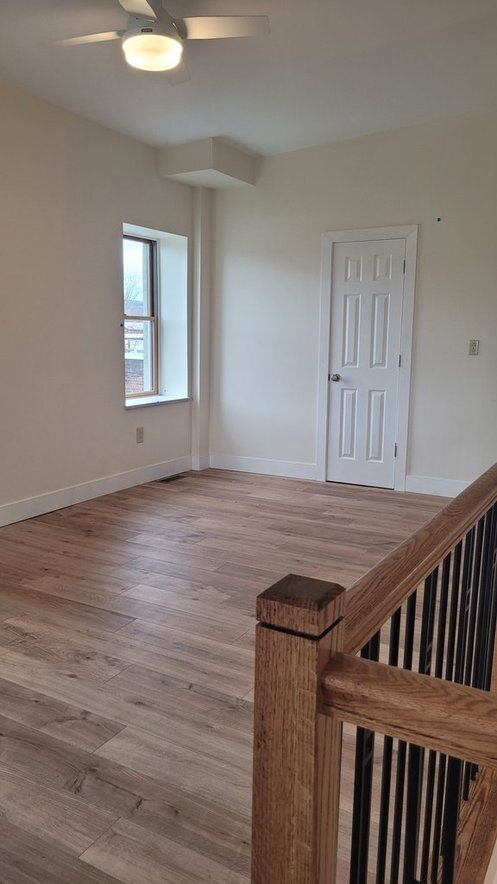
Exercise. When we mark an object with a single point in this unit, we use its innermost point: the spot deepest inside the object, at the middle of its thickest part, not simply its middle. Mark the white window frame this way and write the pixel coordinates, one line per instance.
(172, 351)
(152, 317)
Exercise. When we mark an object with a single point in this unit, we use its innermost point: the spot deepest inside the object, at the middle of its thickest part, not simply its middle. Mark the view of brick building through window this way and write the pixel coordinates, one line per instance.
(133, 375)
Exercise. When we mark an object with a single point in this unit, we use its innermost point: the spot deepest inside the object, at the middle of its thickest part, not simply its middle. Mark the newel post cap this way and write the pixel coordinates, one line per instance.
(302, 605)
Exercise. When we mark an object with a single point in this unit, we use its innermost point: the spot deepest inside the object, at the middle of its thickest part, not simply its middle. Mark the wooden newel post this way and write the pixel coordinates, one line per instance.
(297, 750)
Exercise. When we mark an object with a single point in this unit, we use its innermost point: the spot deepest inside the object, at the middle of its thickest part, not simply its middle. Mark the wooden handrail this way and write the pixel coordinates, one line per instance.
(430, 712)
(376, 596)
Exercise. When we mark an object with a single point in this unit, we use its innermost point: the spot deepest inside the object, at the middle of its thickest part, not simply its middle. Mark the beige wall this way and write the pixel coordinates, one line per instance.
(66, 186)
(267, 287)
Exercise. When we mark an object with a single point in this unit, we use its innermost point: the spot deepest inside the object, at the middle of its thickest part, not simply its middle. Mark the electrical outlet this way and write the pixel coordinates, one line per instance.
(474, 347)
(140, 434)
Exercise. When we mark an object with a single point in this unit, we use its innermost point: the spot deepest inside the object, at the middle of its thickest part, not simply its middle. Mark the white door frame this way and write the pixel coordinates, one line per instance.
(410, 234)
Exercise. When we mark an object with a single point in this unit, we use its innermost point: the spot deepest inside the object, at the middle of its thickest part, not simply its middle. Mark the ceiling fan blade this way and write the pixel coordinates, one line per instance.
(216, 27)
(138, 7)
(91, 38)
(179, 74)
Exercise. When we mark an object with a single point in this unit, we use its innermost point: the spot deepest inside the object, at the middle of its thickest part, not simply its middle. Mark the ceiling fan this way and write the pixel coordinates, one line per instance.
(153, 40)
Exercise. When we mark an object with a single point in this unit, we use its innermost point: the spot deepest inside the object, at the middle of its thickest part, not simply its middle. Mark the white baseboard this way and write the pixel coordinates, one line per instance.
(55, 500)
(432, 485)
(298, 470)
(201, 462)
(19, 510)
(286, 468)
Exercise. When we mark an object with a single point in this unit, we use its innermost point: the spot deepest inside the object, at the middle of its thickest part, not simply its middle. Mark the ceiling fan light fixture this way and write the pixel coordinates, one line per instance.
(152, 51)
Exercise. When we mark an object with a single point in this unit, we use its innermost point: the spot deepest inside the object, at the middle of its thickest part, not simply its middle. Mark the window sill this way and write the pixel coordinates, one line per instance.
(145, 401)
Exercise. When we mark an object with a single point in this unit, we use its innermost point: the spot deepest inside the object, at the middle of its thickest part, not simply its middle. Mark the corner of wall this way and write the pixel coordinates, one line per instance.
(201, 325)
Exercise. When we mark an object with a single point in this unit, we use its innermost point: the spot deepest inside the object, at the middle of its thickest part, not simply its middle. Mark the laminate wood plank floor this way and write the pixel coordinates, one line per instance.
(126, 667)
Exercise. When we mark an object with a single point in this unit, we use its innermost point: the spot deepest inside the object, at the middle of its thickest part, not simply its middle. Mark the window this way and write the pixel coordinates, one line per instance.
(140, 316)
(155, 291)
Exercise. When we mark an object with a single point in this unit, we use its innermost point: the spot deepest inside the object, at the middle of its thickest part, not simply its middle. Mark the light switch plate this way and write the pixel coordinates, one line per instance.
(474, 347)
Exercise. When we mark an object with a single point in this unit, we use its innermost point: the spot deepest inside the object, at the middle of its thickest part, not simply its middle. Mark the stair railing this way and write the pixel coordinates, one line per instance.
(403, 664)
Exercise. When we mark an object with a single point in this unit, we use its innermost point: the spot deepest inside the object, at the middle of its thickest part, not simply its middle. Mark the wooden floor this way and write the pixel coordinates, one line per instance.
(126, 665)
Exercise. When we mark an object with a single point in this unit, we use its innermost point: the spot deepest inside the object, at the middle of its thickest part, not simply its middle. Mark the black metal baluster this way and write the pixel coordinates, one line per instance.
(449, 670)
(442, 617)
(386, 772)
(466, 631)
(484, 609)
(363, 782)
(477, 540)
(454, 766)
(467, 639)
(451, 820)
(415, 765)
(437, 826)
(476, 608)
(469, 771)
(433, 808)
(402, 747)
(454, 608)
(428, 818)
(462, 631)
(493, 624)
(416, 755)
(463, 657)
(484, 613)
(491, 584)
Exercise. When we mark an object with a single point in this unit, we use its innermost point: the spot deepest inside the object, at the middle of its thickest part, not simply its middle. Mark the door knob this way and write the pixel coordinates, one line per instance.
(336, 377)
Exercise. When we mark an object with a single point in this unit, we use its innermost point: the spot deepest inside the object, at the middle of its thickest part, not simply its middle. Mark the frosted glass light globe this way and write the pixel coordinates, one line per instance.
(152, 52)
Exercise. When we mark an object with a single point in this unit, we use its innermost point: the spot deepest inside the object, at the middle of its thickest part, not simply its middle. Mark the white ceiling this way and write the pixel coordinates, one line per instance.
(330, 69)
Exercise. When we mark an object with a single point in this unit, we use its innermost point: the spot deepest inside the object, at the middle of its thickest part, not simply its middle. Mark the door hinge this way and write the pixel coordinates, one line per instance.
(329, 376)
(395, 450)
(404, 267)
(400, 359)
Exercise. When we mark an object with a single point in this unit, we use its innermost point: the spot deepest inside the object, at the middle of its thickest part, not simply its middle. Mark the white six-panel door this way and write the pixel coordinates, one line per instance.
(366, 315)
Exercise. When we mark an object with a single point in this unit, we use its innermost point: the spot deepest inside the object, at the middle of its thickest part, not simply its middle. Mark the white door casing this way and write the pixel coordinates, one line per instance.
(368, 300)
